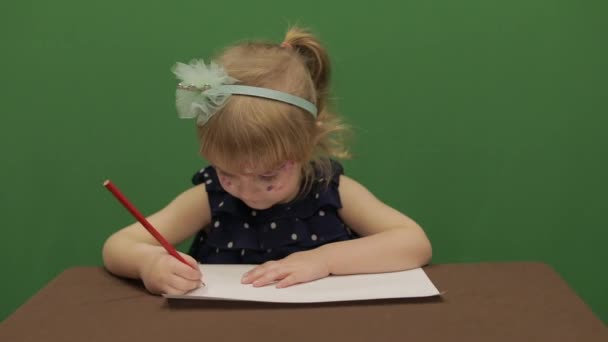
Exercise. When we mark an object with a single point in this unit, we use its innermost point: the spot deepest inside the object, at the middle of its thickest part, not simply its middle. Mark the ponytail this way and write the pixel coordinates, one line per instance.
(316, 59)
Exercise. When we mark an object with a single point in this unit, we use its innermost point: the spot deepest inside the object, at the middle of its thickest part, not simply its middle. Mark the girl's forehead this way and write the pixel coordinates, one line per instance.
(247, 168)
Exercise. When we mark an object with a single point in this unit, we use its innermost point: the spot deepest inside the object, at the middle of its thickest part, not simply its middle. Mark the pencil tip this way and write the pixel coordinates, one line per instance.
(106, 182)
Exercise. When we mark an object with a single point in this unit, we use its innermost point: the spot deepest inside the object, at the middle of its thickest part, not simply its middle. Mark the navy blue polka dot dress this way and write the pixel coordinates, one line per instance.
(240, 235)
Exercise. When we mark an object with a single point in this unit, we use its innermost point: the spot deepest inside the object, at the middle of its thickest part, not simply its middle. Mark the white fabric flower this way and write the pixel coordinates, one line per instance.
(199, 94)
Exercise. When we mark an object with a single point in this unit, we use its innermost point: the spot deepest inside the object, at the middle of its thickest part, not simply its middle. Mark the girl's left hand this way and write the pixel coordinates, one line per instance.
(299, 267)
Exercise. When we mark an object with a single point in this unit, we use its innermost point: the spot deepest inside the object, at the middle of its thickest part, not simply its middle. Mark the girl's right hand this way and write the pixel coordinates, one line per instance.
(164, 274)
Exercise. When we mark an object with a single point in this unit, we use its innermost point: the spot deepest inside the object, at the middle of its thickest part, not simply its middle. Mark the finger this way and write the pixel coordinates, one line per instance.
(250, 275)
(182, 284)
(258, 271)
(172, 290)
(193, 262)
(291, 279)
(271, 277)
(186, 271)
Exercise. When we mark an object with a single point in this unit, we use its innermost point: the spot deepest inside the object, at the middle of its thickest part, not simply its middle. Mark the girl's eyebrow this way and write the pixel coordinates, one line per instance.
(267, 173)
(275, 171)
(224, 172)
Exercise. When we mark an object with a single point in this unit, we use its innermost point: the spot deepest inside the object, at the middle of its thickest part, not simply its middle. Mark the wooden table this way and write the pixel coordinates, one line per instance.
(482, 302)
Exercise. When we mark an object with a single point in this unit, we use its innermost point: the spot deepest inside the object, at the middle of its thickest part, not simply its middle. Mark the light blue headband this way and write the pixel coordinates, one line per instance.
(203, 90)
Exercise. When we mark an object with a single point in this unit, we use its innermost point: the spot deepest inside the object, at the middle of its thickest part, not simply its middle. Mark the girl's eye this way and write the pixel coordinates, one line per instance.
(223, 175)
(267, 178)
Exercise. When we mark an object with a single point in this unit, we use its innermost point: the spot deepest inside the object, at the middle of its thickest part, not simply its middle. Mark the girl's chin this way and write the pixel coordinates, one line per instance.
(258, 206)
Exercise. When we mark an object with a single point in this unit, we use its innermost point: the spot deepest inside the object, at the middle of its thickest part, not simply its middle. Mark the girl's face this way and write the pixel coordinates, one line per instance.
(262, 190)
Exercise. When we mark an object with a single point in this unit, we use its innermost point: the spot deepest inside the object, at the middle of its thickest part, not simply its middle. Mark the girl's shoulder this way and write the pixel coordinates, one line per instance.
(328, 176)
(336, 169)
(324, 190)
(208, 176)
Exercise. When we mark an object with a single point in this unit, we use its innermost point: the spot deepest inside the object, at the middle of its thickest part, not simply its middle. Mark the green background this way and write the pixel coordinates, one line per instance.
(483, 120)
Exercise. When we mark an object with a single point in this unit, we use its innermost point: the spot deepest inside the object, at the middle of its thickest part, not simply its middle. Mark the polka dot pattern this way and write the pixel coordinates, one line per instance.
(240, 234)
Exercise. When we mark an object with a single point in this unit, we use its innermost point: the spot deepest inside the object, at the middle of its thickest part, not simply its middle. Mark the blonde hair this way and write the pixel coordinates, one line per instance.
(252, 131)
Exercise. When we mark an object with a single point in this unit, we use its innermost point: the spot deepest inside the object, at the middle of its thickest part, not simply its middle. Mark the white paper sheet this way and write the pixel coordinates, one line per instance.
(224, 282)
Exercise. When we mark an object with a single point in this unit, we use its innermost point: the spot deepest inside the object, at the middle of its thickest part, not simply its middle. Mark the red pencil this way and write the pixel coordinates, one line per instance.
(144, 222)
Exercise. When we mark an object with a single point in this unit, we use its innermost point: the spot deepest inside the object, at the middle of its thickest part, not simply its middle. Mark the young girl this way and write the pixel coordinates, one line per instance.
(273, 195)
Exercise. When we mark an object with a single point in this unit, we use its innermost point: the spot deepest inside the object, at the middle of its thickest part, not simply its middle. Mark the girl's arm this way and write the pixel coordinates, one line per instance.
(132, 250)
(390, 241)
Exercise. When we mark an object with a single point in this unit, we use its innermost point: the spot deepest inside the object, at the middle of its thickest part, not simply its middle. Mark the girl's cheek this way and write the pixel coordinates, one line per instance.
(225, 181)
(275, 187)
(279, 185)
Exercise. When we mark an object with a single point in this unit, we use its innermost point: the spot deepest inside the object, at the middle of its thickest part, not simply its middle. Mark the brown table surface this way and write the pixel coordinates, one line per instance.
(482, 302)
